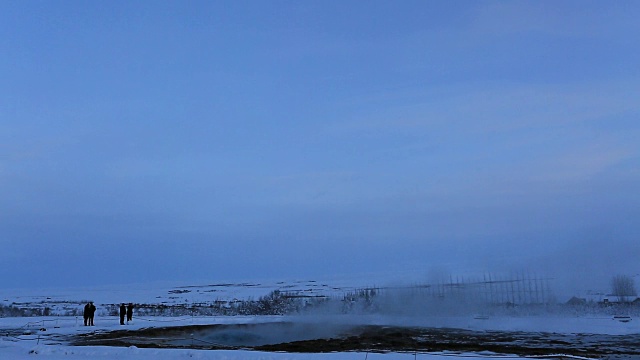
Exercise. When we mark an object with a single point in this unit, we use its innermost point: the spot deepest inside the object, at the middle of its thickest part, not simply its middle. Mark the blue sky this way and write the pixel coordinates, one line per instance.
(202, 140)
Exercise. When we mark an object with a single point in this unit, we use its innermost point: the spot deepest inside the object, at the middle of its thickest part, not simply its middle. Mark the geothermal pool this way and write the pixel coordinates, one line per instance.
(325, 337)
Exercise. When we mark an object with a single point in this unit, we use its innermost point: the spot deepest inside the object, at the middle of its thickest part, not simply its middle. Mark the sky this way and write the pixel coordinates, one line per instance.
(203, 140)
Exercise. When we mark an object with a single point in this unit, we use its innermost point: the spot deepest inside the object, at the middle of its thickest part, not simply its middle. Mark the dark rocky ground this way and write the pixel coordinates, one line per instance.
(293, 337)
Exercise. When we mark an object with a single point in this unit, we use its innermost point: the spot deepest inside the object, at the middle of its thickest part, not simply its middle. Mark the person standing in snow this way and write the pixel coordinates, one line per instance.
(129, 312)
(92, 312)
(123, 311)
(85, 314)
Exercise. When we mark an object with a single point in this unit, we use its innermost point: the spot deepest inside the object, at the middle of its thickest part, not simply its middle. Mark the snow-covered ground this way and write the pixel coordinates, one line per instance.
(43, 337)
(38, 339)
(21, 352)
(34, 342)
(61, 301)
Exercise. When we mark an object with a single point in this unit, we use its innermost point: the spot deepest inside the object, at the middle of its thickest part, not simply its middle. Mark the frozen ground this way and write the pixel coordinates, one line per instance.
(63, 301)
(22, 340)
(66, 353)
(48, 337)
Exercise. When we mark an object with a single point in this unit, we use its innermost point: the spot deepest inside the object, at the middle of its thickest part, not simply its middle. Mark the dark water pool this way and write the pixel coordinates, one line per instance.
(218, 336)
(323, 337)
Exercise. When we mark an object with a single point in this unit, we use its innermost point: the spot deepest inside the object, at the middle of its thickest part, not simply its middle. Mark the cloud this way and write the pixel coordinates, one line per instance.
(482, 109)
(588, 19)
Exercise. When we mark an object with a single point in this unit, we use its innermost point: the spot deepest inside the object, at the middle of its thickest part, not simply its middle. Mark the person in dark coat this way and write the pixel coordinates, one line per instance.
(85, 314)
(92, 312)
(129, 312)
(123, 312)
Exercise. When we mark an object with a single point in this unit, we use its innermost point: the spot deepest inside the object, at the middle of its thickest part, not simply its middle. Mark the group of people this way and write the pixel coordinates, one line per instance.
(126, 310)
(90, 310)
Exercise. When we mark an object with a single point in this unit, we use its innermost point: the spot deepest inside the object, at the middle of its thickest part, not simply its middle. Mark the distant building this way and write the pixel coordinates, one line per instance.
(594, 297)
(615, 299)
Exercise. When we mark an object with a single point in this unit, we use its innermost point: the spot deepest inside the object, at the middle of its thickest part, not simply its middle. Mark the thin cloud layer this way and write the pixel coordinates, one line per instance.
(143, 142)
